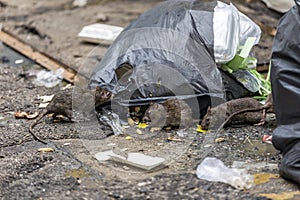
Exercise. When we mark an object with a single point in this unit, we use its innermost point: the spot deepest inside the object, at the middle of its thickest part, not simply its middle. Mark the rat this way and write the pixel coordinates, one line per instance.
(173, 112)
(61, 104)
(239, 110)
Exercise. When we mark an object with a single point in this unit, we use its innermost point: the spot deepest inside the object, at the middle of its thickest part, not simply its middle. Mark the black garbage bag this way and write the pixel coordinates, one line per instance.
(285, 80)
(169, 51)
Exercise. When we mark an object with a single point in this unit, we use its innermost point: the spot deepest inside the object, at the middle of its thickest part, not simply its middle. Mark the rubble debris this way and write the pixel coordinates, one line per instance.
(37, 56)
(26, 115)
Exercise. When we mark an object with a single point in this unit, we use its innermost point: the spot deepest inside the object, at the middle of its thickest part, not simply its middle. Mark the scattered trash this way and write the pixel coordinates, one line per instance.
(267, 139)
(128, 138)
(207, 145)
(49, 79)
(112, 120)
(281, 196)
(134, 159)
(142, 125)
(44, 150)
(79, 3)
(212, 169)
(20, 61)
(174, 139)
(138, 131)
(181, 133)
(141, 184)
(111, 144)
(218, 140)
(148, 44)
(254, 166)
(279, 5)
(26, 115)
(264, 178)
(46, 98)
(200, 130)
(130, 121)
(126, 168)
(67, 144)
(40, 58)
(97, 33)
(102, 17)
(154, 129)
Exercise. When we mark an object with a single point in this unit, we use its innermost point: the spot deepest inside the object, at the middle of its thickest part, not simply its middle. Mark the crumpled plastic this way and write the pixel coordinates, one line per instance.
(213, 169)
(173, 50)
(49, 79)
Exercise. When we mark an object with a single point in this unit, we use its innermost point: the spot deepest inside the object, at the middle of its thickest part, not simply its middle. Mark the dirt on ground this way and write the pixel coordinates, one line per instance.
(71, 170)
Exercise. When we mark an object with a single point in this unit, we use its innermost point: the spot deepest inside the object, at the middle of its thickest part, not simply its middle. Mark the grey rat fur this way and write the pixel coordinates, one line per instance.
(173, 112)
(238, 110)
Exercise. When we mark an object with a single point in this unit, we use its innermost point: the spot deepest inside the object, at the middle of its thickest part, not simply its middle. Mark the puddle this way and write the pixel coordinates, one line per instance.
(256, 147)
(77, 173)
(13, 58)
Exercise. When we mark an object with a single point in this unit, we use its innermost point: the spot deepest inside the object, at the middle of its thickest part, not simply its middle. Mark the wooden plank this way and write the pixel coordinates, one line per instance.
(262, 68)
(37, 56)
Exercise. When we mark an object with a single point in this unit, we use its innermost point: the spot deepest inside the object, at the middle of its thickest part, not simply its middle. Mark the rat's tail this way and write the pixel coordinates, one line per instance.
(36, 121)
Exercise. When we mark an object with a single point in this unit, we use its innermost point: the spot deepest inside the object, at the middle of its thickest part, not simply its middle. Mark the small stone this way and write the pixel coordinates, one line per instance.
(102, 17)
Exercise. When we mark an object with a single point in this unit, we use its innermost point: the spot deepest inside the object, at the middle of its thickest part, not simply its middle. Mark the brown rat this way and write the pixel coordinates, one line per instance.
(173, 112)
(61, 104)
(243, 110)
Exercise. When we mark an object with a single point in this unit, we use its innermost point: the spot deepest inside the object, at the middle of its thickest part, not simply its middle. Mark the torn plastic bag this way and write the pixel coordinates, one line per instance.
(285, 79)
(173, 49)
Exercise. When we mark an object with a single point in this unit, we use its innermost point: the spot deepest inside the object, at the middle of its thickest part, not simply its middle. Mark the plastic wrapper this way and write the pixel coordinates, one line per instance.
(49, 79)
(231, 29)
(173, 49)
(212, 169)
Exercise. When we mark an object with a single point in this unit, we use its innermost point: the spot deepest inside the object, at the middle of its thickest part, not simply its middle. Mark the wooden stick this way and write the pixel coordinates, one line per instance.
(37, 56)
(262, 68)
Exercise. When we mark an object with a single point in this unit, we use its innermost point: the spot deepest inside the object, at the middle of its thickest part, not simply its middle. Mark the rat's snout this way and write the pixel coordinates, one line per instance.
(146, 119)
(205, 124)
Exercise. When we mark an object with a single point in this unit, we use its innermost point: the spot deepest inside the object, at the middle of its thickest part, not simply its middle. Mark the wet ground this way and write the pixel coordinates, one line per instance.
(71, 170)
